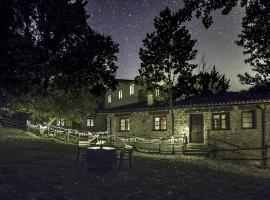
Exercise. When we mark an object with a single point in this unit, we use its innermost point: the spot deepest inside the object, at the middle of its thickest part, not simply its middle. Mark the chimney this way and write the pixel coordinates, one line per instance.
(150, 99)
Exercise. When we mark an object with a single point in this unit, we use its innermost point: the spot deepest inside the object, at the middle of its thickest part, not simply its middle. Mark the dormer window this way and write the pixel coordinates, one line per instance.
(131, 89)
(156, 92)
(120, 94)
(109, 98)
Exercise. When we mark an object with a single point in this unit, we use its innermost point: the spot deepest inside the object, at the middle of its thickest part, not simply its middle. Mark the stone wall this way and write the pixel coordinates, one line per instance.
(141, 125)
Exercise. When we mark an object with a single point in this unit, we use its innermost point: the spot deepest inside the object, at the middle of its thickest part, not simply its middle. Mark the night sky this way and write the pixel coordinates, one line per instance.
(128, 21)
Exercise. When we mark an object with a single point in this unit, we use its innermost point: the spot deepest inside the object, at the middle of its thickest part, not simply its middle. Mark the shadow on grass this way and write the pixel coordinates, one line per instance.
(43, 169)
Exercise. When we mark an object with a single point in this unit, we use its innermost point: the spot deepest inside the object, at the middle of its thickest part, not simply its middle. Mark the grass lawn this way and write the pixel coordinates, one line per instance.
(33, 168)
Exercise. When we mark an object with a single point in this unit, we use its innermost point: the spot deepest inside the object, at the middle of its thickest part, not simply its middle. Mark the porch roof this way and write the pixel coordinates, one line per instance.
(226, 98)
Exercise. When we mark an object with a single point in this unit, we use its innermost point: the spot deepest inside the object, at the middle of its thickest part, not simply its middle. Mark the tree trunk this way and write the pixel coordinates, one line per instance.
(172, 119)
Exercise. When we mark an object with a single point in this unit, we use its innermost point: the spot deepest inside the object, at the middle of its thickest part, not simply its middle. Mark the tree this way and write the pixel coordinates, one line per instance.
(52, 52)
(205, 82)
(212, 82)
(204, 8)
(165, 56)
(255, 40)
(254, 37)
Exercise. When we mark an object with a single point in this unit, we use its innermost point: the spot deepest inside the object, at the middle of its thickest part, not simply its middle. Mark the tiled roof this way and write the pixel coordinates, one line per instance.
(199, 101)
(224, 98)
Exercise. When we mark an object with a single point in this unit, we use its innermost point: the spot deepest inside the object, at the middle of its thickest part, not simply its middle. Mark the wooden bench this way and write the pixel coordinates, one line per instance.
(125, 157)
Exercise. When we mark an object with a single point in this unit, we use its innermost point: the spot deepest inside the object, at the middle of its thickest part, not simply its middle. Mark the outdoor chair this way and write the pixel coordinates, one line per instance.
(125, 157)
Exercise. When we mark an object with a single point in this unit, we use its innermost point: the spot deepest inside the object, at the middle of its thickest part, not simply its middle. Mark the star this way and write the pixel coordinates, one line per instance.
(128, 22)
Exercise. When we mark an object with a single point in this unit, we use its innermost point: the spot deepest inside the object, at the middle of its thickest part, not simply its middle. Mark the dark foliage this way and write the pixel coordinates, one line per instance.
(166, 54)
(51, 62)
(212, 82)
(255, 40)
(48, 46)
(254, 37)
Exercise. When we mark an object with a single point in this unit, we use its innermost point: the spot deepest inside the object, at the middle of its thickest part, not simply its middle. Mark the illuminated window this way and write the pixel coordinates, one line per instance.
(156, 92)
(131, 89)
(220, 121)
(109, 98)
(248, 119)
(160, 123)
(61, 122)
(90, 122)
(124, 124)
(120, 94)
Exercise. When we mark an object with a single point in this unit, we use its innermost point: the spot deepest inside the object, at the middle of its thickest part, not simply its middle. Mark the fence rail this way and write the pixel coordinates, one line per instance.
(13, 123)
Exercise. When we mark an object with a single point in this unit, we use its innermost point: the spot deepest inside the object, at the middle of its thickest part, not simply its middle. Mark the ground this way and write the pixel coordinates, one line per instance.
(45, 169)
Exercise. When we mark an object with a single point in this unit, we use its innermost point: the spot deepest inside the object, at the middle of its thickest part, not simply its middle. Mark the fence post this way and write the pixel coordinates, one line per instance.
(67, 136)
(172, 143)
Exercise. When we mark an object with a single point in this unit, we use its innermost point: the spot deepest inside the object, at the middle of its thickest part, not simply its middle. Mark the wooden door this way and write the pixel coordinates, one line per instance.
(196, 128)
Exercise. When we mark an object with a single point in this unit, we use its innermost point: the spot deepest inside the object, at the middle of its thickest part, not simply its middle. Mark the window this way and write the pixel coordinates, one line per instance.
(90, 122)
(131, 89)
(160, 123)
(120, 94)
(248, 119)
(156, 92)
(220, 121)
(61, 122)
(124, 124)
(109, 98)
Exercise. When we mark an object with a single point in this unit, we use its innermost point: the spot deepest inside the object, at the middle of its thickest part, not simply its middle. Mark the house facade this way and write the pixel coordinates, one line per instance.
(232, 125)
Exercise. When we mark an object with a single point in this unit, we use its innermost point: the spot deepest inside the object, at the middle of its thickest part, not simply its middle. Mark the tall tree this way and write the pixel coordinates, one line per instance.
(255, 39)
(52, 51)
(165, 55)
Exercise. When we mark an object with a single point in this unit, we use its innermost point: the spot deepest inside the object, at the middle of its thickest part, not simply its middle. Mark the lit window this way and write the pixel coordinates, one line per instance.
(220, 121)
(61, 122)
(131, 89)
(160, 123)
(120, 94)
(248, 119)
(124, 124)
(109, 98)
(156, 92)
(90, 122)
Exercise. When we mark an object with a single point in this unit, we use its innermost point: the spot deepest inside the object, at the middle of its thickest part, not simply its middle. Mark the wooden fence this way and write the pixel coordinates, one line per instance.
(12, 123)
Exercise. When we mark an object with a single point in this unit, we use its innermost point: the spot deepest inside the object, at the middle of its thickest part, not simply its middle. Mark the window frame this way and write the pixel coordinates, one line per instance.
(120, 94)
(91, 122)
(227, 121)
(157, 92)
(161, 119)
(61, 122)
(127, 124)
(131, 89)
(253, 119)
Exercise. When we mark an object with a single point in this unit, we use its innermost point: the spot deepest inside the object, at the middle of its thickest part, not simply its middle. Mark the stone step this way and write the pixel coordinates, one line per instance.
(196, 150)
(196, 146)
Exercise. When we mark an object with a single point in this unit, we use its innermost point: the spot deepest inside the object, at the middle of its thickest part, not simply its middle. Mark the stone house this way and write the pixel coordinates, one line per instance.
(232, 125)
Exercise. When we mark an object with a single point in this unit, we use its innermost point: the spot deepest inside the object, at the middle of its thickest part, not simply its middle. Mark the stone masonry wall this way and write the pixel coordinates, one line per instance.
(141, 125)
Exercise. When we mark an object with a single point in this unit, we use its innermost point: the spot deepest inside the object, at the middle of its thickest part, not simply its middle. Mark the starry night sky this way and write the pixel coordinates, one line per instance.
(128, 21)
